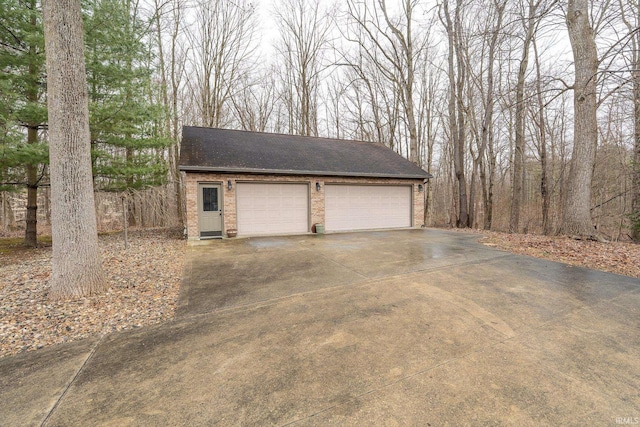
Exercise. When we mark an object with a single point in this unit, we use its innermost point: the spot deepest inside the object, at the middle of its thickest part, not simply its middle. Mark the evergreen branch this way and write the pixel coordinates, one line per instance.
(15, 37)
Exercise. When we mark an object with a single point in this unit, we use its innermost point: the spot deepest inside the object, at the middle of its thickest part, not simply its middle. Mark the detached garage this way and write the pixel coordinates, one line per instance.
(251, 184)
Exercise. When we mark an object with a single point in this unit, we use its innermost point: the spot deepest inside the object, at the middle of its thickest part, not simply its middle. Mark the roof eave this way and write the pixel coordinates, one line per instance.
(254, 171)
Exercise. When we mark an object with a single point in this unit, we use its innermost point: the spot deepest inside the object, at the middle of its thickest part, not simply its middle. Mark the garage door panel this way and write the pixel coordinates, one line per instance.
(272, 208)
(361, 207)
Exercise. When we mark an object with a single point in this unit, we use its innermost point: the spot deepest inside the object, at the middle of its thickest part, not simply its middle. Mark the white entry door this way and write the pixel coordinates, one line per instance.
(209, 210)
(367, 207)
(270, 208)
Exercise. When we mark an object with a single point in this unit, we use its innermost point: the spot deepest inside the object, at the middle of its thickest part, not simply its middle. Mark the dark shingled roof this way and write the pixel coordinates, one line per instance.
(223, 150)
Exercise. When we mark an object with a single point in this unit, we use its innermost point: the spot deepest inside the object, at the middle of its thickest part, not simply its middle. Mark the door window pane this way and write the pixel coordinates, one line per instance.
(210, 199)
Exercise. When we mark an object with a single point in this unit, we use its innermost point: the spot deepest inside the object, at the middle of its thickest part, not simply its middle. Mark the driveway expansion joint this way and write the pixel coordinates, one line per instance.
(70, 383)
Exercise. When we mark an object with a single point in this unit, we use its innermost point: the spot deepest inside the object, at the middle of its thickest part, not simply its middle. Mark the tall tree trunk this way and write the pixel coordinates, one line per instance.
(487, 121)
(428, 196)
(31, 229)
(31, 226)
(76, 261)
(454, 124)
(576, 219)
(47, 205)
(473, 185)
(8, 218)
(635, 173)
(518, 154)
(459, 148)
(635, 201)
(476, 160)
(407, 44)
(164, 87)
(175, 119)
(430, 138)
(542, 148)
(488, 222)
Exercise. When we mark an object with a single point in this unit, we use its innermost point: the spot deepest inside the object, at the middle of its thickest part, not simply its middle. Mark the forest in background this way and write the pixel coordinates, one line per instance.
(479, 93)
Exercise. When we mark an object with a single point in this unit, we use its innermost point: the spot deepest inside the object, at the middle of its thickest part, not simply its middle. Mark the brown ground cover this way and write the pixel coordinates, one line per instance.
(144, 284)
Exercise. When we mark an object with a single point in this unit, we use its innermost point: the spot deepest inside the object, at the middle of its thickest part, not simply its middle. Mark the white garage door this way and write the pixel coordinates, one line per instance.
(366, 207)
(272, 208)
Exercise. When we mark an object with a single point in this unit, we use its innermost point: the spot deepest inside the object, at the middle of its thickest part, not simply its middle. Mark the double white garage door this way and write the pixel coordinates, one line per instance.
(264, 208)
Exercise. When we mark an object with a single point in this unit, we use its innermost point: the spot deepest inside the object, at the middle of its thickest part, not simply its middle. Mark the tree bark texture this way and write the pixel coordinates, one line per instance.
(76, 261)
(576, 213)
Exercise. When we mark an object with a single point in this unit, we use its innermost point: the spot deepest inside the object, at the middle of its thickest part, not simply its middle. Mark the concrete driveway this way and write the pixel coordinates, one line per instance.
(416, 327)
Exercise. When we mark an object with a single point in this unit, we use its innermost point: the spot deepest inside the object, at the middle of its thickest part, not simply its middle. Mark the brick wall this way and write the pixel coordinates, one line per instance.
(316, 197)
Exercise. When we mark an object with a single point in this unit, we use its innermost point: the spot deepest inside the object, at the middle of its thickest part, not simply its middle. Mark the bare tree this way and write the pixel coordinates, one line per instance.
(576, 219)
(483, 164)
(429, 123)
(168, 17)
(254, 105)
(539, 118)
(304, 35)
(76, 261)
(530, 24)
(630, 15)
(392, 46)
(369, 93)
(457, 78)
(223, 38)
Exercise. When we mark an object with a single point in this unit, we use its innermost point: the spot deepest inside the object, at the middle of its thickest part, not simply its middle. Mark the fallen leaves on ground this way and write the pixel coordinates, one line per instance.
(144, 285)
(614, 257)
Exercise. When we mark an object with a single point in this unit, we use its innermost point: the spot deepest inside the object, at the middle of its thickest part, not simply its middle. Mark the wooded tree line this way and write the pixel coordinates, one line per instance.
(527, 112)
(128, 148)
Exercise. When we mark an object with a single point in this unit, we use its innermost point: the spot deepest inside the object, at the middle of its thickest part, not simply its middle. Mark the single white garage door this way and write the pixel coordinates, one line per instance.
(272, 208)
(366, 207)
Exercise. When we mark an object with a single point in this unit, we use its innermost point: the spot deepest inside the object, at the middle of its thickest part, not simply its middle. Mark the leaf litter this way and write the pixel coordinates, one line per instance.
(144, 283)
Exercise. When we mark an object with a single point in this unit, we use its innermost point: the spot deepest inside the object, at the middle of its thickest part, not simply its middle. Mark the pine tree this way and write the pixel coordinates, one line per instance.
(23, 156)
(126, 127)
(127, 150)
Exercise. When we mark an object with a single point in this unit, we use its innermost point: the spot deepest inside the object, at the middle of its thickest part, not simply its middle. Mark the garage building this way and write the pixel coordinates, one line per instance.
(271, 184)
